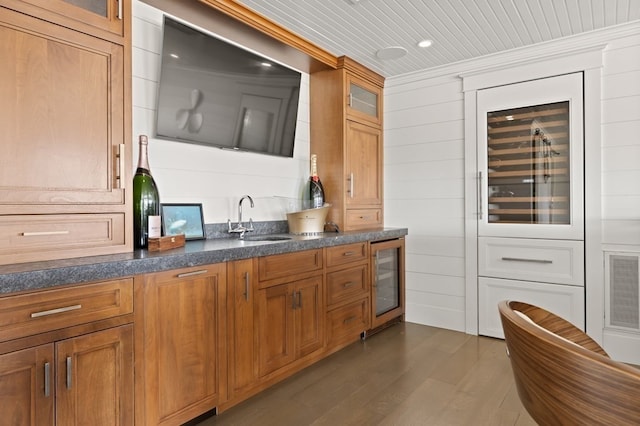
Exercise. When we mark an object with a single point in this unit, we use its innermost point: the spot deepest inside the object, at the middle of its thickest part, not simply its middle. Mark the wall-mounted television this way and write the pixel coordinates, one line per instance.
(212, 92)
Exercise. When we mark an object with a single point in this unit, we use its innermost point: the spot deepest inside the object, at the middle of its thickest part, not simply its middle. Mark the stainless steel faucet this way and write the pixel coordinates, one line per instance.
(240, 228)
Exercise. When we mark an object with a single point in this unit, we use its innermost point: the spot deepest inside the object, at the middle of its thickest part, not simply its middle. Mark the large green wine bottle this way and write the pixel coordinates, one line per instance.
(146, 201)
(316, 190)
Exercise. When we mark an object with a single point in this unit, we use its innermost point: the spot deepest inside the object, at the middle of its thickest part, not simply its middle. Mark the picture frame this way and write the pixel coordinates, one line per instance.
(184, 219)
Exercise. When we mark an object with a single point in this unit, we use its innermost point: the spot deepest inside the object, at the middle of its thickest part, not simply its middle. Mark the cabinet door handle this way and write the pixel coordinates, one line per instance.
(190, 274)
(55, 311)
(350, 99)
(299, 300)
(246, 286)
(47, 379)
(43, 233)
(121, 166)
(69, 366)
(519, 259)
(351, 185)
(293, 300)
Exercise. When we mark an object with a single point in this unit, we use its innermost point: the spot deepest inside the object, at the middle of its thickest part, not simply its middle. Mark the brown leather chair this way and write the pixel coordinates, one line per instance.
(563, 376)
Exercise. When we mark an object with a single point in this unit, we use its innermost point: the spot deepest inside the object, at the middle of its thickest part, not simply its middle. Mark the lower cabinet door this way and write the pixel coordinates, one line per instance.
(566, 301)
(26, 386)
(94, 378)
(182, 346)
(290, 322)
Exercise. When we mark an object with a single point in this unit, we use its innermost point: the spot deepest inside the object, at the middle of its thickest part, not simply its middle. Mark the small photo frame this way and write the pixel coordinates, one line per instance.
(184, 219)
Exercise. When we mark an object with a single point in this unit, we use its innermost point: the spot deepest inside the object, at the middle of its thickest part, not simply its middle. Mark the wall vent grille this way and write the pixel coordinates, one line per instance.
(622, 290)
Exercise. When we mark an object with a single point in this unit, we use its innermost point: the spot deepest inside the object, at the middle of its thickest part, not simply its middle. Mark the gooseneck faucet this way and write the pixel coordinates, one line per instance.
(240, 228)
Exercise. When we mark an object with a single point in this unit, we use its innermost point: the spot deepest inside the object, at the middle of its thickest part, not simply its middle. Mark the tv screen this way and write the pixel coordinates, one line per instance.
(212, 92)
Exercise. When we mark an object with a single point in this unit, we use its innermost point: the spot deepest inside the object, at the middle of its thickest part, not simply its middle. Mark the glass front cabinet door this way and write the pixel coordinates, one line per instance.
(530, 159)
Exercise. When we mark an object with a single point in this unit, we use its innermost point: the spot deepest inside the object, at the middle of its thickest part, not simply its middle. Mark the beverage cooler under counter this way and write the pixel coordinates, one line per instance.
(388, 281)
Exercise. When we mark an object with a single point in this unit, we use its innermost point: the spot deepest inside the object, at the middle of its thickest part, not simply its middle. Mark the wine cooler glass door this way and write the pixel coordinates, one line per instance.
(388, 276)
(530, 159)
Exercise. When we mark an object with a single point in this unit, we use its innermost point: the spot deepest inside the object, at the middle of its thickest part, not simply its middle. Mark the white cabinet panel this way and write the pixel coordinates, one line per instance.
(550, 261)
(563, 300)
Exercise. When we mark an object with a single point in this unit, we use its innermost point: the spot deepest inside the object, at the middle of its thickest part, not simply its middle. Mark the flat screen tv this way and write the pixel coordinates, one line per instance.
(215, 93)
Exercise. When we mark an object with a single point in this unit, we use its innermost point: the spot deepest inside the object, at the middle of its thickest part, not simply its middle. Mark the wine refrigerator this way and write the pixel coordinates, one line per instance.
(388, 298)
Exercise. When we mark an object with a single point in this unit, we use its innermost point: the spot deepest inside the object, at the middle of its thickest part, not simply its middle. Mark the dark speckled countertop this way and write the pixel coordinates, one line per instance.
(38, 275)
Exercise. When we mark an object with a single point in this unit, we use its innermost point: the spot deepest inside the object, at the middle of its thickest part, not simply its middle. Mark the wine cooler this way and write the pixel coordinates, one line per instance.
(387, 260)
(531, 198)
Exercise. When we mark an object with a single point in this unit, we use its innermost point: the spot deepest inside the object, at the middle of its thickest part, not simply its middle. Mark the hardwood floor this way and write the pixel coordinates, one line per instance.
(408, 374)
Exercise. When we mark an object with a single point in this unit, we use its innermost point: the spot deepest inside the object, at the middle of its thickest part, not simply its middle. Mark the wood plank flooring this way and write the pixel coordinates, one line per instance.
(408, 374)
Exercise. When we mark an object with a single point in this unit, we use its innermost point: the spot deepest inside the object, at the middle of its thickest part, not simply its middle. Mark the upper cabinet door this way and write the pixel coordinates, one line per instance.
(63, 104)
(364, 100)
(530, 159)
(105, 15)
(364, 165)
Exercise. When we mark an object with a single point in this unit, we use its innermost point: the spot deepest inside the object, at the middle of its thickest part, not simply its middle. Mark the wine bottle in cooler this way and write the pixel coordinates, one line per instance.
(146, 200)
(316, 191)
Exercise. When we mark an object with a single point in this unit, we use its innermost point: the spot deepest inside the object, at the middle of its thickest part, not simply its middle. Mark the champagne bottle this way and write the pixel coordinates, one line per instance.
(146, 201)
(316, 191)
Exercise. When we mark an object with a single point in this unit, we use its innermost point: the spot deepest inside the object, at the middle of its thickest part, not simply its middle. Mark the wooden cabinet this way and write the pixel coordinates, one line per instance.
(66, 93)
(95, 16)
(346, 109)
(348, 294)
(290, 308)
(66, 355)
(180, 345)
(243, 337)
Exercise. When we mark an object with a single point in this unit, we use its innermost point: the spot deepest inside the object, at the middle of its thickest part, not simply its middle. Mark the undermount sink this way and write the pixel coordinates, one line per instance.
(266, 238)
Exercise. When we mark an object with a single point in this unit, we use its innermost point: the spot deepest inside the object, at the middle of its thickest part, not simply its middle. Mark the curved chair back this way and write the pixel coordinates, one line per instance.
(563, 377)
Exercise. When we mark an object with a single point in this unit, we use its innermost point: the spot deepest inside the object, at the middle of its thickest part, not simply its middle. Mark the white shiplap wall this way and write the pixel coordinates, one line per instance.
(187, 173)
(424, 171)
(424, 191)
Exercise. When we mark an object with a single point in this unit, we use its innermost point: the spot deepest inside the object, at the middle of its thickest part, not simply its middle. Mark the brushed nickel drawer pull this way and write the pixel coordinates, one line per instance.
(47, 379)
(519, 259)
(55, 311)
(348, 253)
(348, 284)
(349, 320)
(190, 274)
(43, 233)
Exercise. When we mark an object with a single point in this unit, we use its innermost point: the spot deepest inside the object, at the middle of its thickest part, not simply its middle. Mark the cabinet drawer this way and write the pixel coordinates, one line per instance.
(551, 261)
(347, 284)
(46, 310)
(566, 301)
(346, 254)
(363, 219)
(347, 322)
(44, 237)
(288, 264)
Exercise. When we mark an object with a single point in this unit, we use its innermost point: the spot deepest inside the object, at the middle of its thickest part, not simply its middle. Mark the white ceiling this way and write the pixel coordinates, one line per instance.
(460, 29)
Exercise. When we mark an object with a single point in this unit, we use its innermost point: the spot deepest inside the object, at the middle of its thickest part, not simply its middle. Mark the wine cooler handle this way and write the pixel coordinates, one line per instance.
(480, 212)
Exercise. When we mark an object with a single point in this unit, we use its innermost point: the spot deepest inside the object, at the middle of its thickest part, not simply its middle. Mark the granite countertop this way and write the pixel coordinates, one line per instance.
(39, 275)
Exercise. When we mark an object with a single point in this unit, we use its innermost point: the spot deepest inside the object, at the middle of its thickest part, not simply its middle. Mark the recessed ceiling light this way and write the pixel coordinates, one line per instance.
(425, 43)
(391, 52)
(174, 56)
(265, 64)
